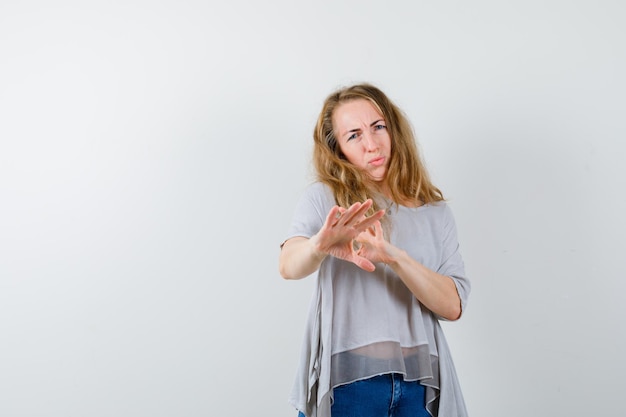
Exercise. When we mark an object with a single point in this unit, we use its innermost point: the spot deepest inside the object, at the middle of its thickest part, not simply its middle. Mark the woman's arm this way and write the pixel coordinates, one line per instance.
(435, 291)
(299, 258)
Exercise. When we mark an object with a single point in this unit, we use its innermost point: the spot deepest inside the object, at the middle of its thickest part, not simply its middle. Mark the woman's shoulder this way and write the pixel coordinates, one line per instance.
(442, 207)
(441, 211)
(319, 195)
(316, 186)
(318, 189)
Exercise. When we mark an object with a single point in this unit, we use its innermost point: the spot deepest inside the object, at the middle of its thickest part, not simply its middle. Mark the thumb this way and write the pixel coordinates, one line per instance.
(364, 264)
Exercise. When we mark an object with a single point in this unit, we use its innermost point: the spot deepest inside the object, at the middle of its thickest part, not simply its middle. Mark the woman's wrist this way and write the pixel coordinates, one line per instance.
(394, 257)
(317, 253)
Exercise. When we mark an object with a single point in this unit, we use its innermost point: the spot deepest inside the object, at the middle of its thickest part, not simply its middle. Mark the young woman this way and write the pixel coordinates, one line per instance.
(383, 244)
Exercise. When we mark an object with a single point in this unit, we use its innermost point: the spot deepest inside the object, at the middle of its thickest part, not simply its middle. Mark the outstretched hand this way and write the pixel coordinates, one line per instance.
(341, 229)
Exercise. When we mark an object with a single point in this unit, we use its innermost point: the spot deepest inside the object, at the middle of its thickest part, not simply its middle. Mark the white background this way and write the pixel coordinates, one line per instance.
(151, 154)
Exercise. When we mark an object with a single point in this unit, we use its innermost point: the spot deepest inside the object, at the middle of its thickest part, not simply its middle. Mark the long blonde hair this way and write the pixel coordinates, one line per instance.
(407, 179)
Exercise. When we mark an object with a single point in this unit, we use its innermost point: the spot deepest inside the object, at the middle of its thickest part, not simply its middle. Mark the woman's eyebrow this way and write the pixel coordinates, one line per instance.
(356, 129)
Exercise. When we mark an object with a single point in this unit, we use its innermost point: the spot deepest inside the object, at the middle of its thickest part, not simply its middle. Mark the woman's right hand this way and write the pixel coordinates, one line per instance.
(342, 226)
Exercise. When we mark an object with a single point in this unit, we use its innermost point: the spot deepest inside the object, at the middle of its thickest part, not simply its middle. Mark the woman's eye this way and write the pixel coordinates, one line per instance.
(353, 136)
(378, 127)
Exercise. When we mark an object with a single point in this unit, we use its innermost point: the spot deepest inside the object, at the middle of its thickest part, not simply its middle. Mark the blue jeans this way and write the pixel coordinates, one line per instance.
(386, 395)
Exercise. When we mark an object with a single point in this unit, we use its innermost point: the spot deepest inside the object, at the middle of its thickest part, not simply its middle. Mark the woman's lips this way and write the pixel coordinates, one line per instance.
(377, 161)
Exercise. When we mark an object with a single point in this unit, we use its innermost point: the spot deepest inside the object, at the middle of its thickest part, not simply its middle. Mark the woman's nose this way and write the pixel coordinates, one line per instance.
(369, 142)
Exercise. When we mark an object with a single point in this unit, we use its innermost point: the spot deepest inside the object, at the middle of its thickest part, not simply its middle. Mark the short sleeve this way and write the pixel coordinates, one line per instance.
(452, 264)
(311, 211)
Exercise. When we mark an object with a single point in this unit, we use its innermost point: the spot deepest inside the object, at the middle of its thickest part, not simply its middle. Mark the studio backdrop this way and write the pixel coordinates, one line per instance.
(152, 153)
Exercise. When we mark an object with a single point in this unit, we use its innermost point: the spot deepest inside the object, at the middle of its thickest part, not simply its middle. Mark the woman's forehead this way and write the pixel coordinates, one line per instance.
(358, 111)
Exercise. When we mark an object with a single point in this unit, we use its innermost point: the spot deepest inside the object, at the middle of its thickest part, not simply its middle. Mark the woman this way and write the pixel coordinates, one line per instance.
(383, 244)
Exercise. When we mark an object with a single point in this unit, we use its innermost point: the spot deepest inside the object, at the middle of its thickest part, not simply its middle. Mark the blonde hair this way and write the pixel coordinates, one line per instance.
(406, 178)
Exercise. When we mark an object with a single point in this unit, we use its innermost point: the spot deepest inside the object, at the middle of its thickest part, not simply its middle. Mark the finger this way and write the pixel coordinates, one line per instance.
(356, 211)
(378, 229)
(339, 215)
(364, 263)
(363, 237)
(370, 221)
(372, 233)
(333, 215)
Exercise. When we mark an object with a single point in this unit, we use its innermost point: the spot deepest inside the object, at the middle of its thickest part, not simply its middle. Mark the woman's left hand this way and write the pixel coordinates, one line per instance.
(373, 246)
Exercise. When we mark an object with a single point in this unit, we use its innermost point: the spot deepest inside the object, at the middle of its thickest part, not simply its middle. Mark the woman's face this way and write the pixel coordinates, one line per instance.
(362, 136)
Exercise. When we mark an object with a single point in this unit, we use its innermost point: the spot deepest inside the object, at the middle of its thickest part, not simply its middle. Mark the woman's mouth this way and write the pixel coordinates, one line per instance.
(377, 161)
